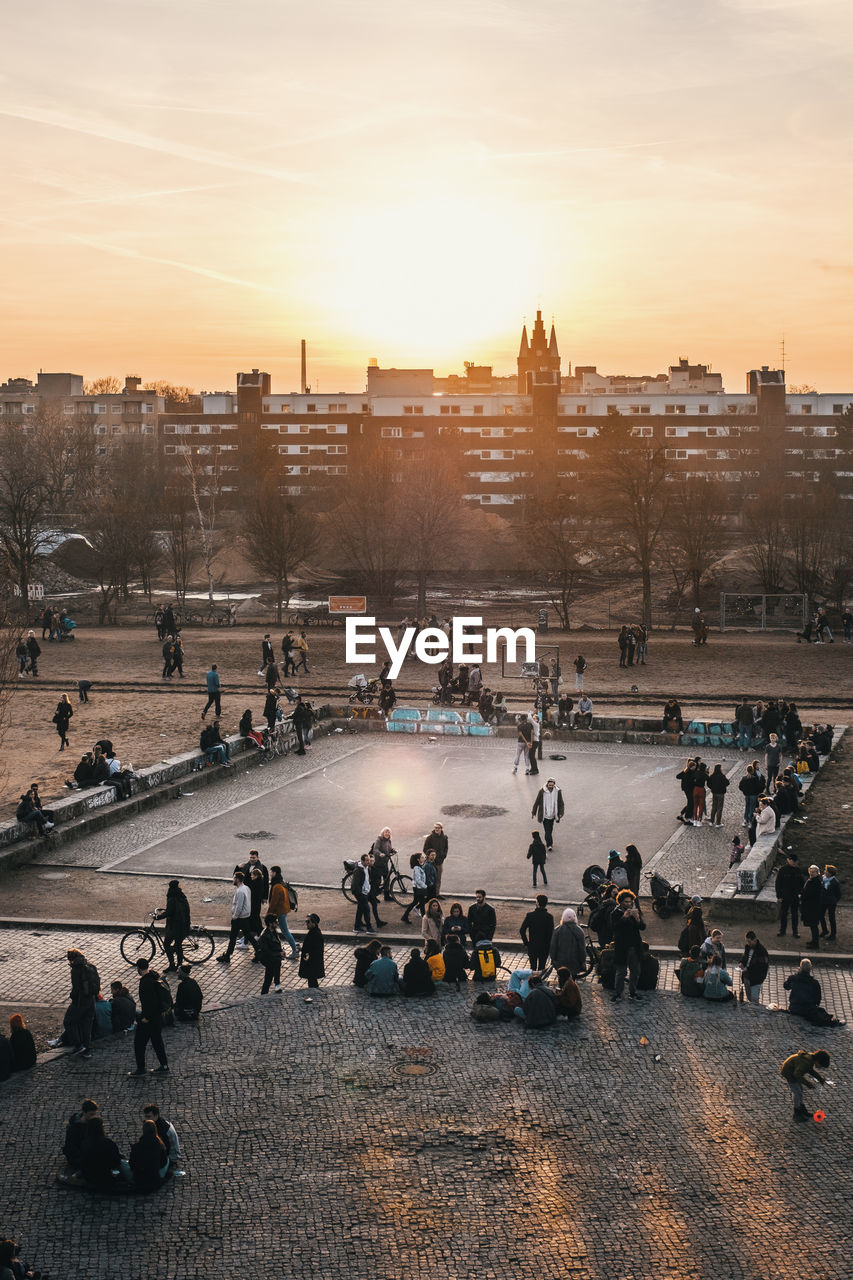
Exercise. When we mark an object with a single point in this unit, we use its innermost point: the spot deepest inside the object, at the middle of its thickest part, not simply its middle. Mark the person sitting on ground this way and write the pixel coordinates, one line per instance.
(103, 1024)
(5, 1057)
(647, 979)
(417, 978)
(382, 976)
(149, 1159)
(715, 981)
(567, 995)
(364, 957)
(485, 959)
(693, 933)
(736, 852)
(21, 1044)
(11, 1267)
(689, 972)
(122, 1008)
(75, 1134)
(540, 1005)
(83, 774)
(455, 960)
(435, 960)
(805, 997)
(455, 924)
(484, 1009)
(101, 1164)
(188, 997)
(166, 1130)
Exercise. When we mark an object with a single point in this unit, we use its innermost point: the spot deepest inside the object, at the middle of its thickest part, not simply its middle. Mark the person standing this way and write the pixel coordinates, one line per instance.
(241, 911)
(170, 626)
(301, 647)
(271, 708)
(258, 894)
(286, 653)
(61, 718)
(700, 777)
(524, 744)
(795, 1071)
(537, 853)
(579, 665)
(267, 652)
(149, 1025)
(811, 905)
(362, 891)
(168, 651)
(33, 654)
(536, 747)
(303, 719)
(419, 887)
(311, 964)
(281, 904)
(633, 867)
(536, 931)
(177, 924)
(548, 808)
(214, 692)
(830, 898)
(568, 945)
(718, 784)
(438, 841)
(482, 920)
(178, 656)
(772, 760)
(754, 966)
(268, 953)
(744, 723)
(384, 854)
(627, 945)
(85, 985)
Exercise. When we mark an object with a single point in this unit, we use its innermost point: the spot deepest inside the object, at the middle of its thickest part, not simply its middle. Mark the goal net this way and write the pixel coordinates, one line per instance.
(758, 612)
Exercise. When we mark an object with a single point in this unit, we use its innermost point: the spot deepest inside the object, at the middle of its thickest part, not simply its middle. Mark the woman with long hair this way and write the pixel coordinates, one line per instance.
(61, 717)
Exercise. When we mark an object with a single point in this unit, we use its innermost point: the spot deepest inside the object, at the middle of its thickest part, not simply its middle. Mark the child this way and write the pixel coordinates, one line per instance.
(736, 852)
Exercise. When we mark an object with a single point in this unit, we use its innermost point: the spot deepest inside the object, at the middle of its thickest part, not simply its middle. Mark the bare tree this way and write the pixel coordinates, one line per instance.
(202, 469)
(107, 385)
(629, 478)
(430, 496)
(25, 505)
(279, 538)
(181, 544)
(556, 532)
(693, 534)
(365, 531)
(766, 535)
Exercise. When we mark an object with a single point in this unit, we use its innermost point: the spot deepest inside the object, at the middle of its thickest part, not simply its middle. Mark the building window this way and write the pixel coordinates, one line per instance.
(806, 408)
(444, 408)
(408, 408)
(478, 408)
(391, 433)
(731, 408)
(311, 408)
(703, 408)
(645, 408)
(613, 408)
(581, 409)
(508, 410)
(681, 408)
(670, 408)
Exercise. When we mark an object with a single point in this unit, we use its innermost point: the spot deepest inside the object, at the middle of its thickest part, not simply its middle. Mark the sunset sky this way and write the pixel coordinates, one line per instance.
(192, 187)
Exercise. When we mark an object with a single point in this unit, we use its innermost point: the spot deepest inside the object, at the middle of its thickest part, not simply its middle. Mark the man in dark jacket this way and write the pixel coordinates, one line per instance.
(362, 890)
(540, 1007)
(804, 1000)
(627, 946)
(122, 1008)
(177, 923)
(438, 841)
(188, 997)
(789, 884)
(536, 930)
(303, 719)
(482, 920)
(85, 985)
(150, 1023)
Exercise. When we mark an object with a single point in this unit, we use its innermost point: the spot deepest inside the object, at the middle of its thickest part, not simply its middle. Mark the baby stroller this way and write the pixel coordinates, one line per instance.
(666, 897)
(363, 690)
(68, 627)
(593, 880)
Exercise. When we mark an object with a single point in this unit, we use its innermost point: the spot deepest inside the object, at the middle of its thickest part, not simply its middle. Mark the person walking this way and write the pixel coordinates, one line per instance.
(419, 887)
(311, 964)
(438, 841)
(178, 656)
(177, 924)
(627, 945)
(168, 652)
(214, 692)
(33, 654)
(300, 646)
(795, 1071)
(548, 808)
(61, 718)
(537, 929)
(537, 853)
(149, 1025)
(241, 912)
(281, 903)
(268, 953)
(267, 652)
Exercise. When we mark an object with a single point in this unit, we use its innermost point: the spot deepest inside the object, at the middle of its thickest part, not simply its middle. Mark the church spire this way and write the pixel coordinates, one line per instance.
(552, 343)
(525, 346)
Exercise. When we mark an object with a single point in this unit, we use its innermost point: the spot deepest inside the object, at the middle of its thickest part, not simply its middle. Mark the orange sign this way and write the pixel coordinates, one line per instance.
(347, 604)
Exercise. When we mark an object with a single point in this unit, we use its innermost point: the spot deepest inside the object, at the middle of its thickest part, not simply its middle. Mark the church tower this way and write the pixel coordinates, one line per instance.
(537, 355)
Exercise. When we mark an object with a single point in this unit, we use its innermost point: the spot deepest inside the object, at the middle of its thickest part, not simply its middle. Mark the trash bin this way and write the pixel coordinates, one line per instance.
(543, 619)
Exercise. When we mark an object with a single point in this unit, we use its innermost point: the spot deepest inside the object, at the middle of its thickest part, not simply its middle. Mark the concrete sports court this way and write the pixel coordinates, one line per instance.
(334, 801)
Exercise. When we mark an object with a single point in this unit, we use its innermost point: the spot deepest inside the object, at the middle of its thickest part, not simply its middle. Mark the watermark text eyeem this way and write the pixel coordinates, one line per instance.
(432, 645)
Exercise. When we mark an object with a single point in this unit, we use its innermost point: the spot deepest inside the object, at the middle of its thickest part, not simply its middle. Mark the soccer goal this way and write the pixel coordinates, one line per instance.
(758, 612)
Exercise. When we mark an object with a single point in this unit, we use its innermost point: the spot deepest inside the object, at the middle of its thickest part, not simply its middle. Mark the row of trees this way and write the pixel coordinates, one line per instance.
(401, 518)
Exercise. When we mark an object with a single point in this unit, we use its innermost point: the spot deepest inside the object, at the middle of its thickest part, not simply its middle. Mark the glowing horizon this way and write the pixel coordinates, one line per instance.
(193, 194)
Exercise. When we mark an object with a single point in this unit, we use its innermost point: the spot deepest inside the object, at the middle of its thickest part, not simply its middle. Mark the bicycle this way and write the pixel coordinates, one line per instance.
(142, 944)
(399, 886)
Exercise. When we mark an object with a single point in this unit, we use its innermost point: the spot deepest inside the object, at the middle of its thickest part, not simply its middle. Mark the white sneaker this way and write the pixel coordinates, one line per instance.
(277, 989)
(54, 1044)
(242, 946)
(48, 826)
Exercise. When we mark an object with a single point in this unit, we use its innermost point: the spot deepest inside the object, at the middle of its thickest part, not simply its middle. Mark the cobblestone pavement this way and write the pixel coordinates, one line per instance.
(348, 1137)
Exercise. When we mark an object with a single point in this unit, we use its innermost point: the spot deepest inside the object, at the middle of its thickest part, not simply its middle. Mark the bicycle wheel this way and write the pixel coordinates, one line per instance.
(346, 887)
(198, 946)
(137, 944)
(401, 890)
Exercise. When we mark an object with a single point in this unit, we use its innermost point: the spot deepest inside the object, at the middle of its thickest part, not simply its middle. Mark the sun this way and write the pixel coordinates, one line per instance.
(423, 273)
